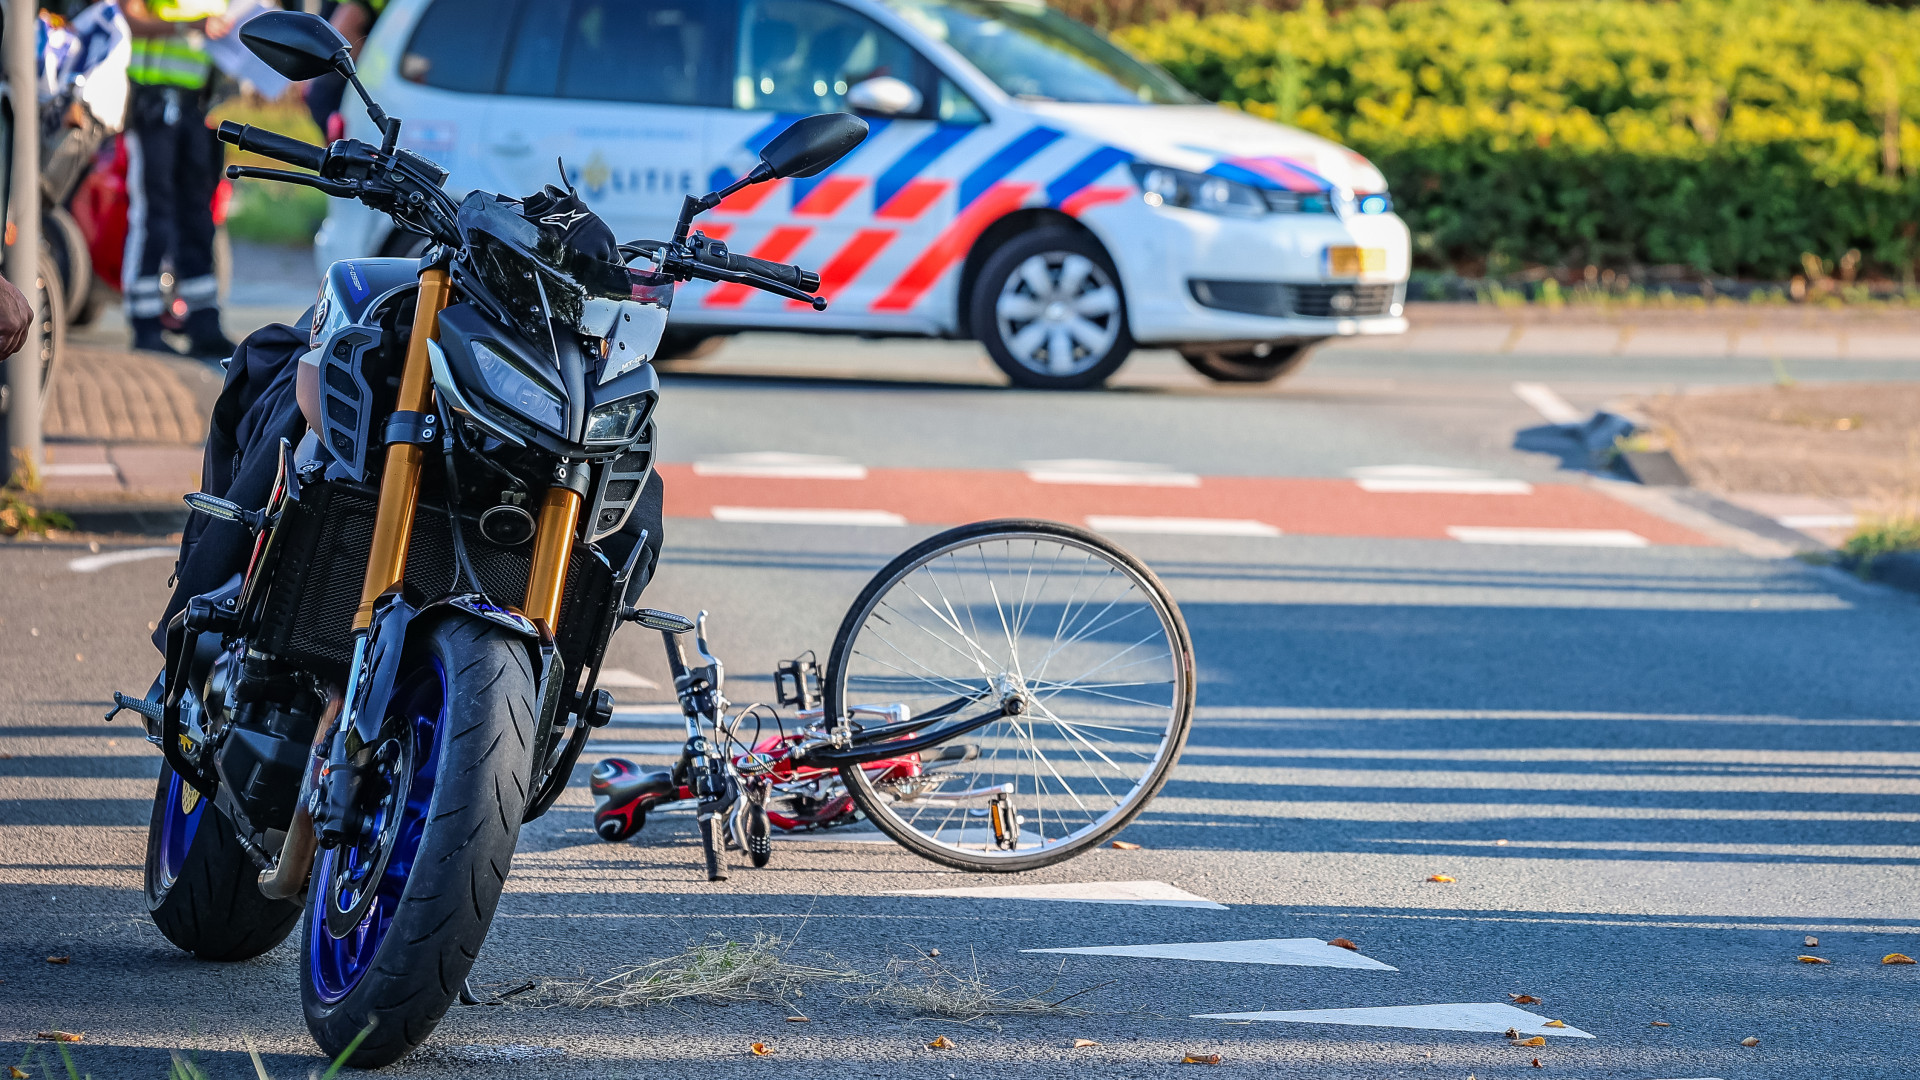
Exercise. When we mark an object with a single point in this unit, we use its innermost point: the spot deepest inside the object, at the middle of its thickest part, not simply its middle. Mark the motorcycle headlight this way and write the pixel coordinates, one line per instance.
(519, 391)
(1198, 191)
(617, 422)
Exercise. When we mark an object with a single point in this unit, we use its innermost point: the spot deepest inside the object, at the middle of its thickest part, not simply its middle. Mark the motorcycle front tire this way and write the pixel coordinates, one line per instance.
(432, 932)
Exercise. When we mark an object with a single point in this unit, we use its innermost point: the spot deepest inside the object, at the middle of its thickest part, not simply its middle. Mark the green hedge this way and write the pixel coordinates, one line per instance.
(1728, 136)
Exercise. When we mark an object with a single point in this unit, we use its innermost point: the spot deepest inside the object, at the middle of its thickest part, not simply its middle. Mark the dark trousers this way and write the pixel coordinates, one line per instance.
(173, 166)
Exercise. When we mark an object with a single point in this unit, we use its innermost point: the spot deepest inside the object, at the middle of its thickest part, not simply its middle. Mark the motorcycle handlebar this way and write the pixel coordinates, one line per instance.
(784, 273)
(267, 144)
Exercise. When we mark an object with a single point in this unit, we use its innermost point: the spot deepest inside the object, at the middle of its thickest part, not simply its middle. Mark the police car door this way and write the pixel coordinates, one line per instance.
(622, 91)
(867, 221)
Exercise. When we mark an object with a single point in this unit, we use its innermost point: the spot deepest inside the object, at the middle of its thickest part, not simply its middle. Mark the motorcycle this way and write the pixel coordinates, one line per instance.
(404, 672)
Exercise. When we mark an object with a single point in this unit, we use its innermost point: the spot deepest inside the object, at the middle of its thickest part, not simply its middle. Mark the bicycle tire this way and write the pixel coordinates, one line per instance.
(956, 845)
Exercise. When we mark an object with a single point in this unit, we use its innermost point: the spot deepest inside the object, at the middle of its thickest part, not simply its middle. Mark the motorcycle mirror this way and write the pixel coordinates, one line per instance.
(297, 45)
(812, 143)
(655, 619)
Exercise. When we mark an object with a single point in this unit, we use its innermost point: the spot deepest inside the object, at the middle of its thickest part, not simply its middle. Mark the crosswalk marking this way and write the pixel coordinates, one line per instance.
(1470, 1016)
(1292, 952)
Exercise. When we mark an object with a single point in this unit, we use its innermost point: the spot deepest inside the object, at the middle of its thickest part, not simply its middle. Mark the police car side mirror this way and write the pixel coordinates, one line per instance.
(812, 143)
(884, 95)
(297, 45)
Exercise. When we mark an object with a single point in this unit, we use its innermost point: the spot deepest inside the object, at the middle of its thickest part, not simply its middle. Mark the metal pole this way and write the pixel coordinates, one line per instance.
(23, 212)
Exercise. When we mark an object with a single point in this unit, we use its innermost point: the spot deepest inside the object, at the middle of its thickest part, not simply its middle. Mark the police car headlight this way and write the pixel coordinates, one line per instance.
(1162, 186)
(617, 422)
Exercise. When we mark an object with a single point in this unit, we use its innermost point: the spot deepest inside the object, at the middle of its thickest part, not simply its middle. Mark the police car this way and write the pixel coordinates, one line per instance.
(1025, 183)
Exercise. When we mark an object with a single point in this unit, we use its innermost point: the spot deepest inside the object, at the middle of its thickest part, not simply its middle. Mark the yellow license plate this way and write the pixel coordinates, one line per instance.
(1355, 261)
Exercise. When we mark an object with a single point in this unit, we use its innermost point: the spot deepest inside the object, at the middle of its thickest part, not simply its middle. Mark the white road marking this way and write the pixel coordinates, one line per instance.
(1142, 893)
(1817, 521)
(1293, 952)
(1181, 526)
(670, 749)
(619, 678)
(660, 714)
(1107, 473)
(1481, 534)
(1465, 486)
(774, 464)
(80, 468)
(87, 564)
(979, 838)
(1553, 408)
(793, 515)
(1414, 472)
(1459, 1017)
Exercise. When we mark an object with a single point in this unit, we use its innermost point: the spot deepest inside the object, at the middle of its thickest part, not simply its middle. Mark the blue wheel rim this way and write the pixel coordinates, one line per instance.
(177, 828)
(336, 964)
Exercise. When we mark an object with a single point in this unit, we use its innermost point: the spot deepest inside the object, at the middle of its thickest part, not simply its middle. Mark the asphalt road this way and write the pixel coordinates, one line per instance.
(1650, 772)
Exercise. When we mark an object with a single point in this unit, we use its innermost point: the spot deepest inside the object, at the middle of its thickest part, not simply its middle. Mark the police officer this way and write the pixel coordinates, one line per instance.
(173, 166)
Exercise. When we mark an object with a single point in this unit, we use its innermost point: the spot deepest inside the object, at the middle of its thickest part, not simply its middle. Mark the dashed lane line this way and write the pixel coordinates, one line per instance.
(1493, 534)
(786, 515)
(1468, 1016)
(1291, 952)
(1180, 526)
(88, 564)
(1140, 893)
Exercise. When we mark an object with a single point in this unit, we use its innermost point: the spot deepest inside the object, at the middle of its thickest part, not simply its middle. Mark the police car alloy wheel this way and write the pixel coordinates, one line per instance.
(1049, 310)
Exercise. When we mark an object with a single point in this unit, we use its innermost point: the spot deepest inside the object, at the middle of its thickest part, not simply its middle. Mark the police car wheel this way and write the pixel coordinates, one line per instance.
(1047, 306)
(1261, 363)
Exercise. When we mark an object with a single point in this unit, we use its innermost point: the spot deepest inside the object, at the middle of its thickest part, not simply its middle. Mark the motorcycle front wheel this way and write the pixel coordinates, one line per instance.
(394, 922)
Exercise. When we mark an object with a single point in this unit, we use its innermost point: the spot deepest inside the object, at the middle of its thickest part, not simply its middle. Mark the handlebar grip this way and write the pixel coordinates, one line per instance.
(783, 273)
(267, 144)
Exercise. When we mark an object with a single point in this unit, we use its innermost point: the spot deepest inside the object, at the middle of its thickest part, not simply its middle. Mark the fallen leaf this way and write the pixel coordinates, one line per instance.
(798, 1020)
(1441, 878)
(1813, 959)
(1524, 999)
(1812, 942)
(1553, 1023)
(1750, 1041)
(1081, 1044)
(1501, 843)
(59, 959)
(60, 1036)
(1200, 1059)
(1122, 845)
(1513, 1034)
(940, 1043)
(1343, 943)
(760, 1049)
(1896, 958)
(1537, 1065)
(17, 1073)
(1537, 1040)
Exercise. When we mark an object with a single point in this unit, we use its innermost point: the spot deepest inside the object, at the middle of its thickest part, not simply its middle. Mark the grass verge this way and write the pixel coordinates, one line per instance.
(1875, 538)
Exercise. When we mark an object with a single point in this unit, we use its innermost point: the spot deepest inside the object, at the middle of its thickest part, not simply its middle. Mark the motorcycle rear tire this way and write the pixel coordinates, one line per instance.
(212, 906)
(420, 962)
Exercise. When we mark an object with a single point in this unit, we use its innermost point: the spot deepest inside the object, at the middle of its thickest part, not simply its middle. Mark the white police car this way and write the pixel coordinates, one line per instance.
(1025, 182)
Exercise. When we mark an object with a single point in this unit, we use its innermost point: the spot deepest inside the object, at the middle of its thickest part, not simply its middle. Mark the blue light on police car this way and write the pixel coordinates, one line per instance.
(1375, 204)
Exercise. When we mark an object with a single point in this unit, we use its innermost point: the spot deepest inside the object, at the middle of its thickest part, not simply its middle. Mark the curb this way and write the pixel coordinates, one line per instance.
(1898, 569)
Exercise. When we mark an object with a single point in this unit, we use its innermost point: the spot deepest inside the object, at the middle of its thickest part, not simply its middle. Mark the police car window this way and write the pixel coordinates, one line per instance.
(457, 45)
(1035, 53)
(663, 52)
(802, 56)
(657, 52)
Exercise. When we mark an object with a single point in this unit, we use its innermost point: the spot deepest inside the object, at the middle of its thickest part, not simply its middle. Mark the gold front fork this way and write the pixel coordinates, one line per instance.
(400, 483)
(400, 490)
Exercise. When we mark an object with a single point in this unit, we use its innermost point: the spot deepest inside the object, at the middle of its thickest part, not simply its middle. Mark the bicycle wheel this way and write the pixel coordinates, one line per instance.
(1075, 633)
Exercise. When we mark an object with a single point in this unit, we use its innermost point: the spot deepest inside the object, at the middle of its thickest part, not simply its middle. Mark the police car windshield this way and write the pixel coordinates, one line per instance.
(1038, 54)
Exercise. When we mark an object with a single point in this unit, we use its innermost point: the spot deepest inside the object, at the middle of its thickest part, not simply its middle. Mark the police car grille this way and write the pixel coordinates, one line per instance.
(1278, 300)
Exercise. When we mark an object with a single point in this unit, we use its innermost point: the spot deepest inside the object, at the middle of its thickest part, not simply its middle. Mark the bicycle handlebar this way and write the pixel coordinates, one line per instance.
(267, 144)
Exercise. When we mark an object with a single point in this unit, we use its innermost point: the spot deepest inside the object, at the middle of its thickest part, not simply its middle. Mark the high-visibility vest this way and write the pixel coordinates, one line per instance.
(181, 60)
